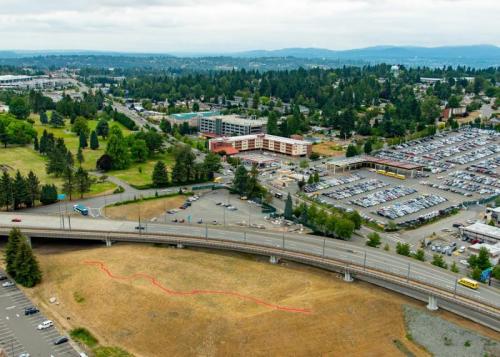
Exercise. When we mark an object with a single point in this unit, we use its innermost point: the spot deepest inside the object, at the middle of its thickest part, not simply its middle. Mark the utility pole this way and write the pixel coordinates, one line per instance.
(364, 262)
(455, 289)
(408, 276)
(324, 245)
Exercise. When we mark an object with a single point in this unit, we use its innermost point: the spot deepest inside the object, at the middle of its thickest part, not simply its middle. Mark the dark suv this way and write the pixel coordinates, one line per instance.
(60, 340)
(31, 310)
(3, 277)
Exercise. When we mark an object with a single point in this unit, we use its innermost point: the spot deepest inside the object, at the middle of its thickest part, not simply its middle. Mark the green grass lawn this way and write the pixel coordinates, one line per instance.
(138, 174)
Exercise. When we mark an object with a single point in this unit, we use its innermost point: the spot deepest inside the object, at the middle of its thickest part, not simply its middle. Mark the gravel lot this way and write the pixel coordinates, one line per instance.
(443, 338)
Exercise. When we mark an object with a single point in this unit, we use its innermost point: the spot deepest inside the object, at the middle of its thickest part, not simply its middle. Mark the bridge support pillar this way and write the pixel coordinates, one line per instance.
(347, 276)
(432, 305)
(180, 246)
(273, 259)
(108, 242)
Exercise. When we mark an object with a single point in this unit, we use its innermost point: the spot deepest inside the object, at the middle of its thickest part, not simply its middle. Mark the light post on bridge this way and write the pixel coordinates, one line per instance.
(324, 245)
(408, 276)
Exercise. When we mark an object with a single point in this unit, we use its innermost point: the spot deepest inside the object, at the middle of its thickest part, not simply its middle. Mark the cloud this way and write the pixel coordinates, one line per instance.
(225, 25)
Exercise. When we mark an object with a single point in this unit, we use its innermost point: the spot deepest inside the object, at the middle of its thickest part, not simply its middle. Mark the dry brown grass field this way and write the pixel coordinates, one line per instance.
(346, 319)
(147, 209)
(328, 148)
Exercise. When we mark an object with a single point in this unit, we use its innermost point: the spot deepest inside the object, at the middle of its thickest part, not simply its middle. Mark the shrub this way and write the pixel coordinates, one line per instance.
(84, 336)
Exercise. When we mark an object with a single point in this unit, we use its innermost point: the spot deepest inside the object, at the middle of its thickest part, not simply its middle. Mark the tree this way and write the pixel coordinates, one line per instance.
(351, 151)
(288, 213)
(373, 240)
(102, 128)
(430, 109)
(27, 270)
(83, 141)
(212, 164)
(19, 108)
(301, 183)
(69, 176)
(43, 117)
(165, 126)
(19, 191)
(344, 228)
(11, 249)
(272, 124)
(454, 267)
(437, 260)
(80, 126)
(6, 193)
(496, 272)
(316, 177)
(48, 194)
(33, 186)
(476, 273)
(117, 149)
(94, 140)
(79, 156)
(184, 168)
(104, 163)
(420, 255)
(481, 260)
(355, 218)
(367, 148)
(83, 181)
(139, 150)
(240, 182)
(403, 249)
(160, 175)
(36, 144)
(56, 119)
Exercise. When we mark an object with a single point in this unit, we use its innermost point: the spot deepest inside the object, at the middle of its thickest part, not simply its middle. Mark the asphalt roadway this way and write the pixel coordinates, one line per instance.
(370, 257)
(19, 334)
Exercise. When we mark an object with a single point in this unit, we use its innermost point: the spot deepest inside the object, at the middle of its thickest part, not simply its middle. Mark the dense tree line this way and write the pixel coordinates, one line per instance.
(21, 263)
(19, 191)
(15, 131)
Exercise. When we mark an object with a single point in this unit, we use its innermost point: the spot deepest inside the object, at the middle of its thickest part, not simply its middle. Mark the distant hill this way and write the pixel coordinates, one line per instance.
(402, 52)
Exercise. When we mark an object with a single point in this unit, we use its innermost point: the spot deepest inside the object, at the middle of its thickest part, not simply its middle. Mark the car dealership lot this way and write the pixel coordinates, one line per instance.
(19, 333)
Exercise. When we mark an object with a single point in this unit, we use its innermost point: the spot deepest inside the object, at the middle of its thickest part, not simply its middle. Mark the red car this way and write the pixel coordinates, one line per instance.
(16, 219)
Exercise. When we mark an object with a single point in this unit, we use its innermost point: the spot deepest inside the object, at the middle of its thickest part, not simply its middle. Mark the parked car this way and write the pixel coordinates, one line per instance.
(200, 221)
(45, 324)
(7, 284)
(464, 262)
(3, 277)
(140, 227)
(60, 340)
(30, 310)
(16, 219)
(462, 249)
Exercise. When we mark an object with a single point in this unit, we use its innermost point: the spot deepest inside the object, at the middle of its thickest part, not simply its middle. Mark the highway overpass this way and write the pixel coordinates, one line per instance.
(407, 276)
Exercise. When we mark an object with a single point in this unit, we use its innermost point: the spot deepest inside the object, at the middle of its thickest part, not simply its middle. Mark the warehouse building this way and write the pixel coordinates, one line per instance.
(482, 232)
(276, 144)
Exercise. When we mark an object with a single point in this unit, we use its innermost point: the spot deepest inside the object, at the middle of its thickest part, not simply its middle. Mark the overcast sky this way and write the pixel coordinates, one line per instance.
(234, 25)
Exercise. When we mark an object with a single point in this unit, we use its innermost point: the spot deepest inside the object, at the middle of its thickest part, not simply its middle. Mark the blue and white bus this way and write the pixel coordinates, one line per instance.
(81, 209)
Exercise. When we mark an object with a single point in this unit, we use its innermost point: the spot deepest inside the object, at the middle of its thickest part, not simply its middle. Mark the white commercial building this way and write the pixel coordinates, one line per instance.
(482, 232)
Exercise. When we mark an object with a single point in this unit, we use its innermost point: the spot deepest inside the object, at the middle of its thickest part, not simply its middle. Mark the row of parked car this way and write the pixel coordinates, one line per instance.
(383, 196)
(332, 182)
(475, 155)
(486, 167)
(412, 206)
(469, 176)
(349, 191)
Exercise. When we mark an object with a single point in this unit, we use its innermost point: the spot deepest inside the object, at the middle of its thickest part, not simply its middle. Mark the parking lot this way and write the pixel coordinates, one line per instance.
(19, 333)
(460, 166)
(219, 207)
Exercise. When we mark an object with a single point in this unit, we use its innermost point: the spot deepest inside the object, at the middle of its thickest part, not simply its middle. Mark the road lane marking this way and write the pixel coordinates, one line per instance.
(10, 307)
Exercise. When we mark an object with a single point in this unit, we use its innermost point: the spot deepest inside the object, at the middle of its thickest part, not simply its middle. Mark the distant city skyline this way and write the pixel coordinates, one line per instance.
(176, 26)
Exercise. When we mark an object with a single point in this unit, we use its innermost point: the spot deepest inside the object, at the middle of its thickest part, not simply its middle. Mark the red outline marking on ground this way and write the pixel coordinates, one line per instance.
(156, 283)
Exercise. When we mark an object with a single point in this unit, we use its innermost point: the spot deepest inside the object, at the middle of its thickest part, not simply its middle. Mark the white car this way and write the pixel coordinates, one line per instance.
(462, 249)
(45, 324)
(7, 284)
(464, 262)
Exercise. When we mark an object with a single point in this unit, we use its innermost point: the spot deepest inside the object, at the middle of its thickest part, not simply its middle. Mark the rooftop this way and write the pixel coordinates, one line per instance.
(10, 77)
(264, 136)
(187, 116)
(483, 229)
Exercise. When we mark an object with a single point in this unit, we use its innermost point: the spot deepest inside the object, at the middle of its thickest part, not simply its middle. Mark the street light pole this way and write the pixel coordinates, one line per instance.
(455, 289)
(408, 276)
(283, 239)
(364, 262)
(324, 245)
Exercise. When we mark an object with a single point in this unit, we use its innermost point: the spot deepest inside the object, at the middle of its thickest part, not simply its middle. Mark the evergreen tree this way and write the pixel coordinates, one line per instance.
(160, 175)
(165, 126)
(288, 213)
(36, 145)
(212, 164)
(11, 250)
(83, 181)
(351, 151)
(79, 156)
(139, 150)
(94, 140)
(104, 163)
(48, 194)
(272, 123)
(368, 147)
(33, 186)
(27, 270)
(240, 182)
(102, 128)
(43, 117)
(6, 192)
(83, 140)
(56, 119)
(19, 191)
